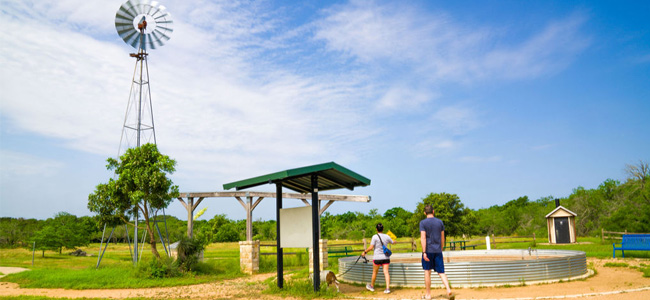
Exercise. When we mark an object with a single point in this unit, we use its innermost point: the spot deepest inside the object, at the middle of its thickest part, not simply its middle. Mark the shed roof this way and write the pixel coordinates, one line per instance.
(330, 176)
(563, 208)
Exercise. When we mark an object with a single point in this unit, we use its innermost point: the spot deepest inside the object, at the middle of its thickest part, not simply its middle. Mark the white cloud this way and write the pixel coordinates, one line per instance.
(220, 106)
(440, 49)
(20, 164)
(480, 159)
(456, 120)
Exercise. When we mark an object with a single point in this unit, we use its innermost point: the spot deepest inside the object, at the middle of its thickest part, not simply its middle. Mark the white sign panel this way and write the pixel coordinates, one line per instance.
(295, 227)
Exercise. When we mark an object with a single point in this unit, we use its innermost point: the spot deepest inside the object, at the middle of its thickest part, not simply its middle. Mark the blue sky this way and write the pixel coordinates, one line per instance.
(489, 100)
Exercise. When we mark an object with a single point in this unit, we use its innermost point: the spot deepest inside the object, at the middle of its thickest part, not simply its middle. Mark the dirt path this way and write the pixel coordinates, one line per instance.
(10, 270)
(608, 283)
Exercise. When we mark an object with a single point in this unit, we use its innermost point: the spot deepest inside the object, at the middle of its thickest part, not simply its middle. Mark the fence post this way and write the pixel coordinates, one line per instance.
(365, 246)
(534, 241)
(602, 235)
(414, 246)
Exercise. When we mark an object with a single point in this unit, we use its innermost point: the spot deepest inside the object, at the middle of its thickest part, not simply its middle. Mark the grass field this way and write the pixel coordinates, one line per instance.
(221, 261)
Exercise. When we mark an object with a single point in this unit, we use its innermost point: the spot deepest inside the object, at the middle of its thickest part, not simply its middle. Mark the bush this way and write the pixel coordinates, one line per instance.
(158, 268)
(188, 251)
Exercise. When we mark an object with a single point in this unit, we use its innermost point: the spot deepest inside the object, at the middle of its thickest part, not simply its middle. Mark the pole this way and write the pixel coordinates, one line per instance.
(135, 238)
(315, 227)
(128, 239)
(101, 243)
(99, 259)
(278, 206)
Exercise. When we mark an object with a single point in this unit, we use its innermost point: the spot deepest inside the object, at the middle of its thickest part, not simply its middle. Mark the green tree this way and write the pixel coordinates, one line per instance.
(141, 186)
(396, 220)
(63, 231)
(447, 207)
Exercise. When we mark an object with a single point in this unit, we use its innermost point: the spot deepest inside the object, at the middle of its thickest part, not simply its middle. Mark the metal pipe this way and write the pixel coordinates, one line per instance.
(315, 231)
(278, 206)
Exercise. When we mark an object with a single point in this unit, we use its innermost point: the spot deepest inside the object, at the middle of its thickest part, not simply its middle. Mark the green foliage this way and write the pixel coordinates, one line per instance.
(142, 184)
(158, 268)
(17, 232)
(222, 229)
(517, 217)
(188, 251)
(449, 209)
(63, 231)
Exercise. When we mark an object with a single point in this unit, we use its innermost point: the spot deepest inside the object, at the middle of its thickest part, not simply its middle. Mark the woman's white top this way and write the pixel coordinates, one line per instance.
(379, 250)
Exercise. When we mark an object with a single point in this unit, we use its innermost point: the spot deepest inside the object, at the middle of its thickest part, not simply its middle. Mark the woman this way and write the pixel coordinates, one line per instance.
(379, 258)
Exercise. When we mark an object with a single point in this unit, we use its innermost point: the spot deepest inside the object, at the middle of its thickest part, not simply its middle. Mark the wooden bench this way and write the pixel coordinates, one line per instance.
(340, 251)
(639, 242)
(467, 246)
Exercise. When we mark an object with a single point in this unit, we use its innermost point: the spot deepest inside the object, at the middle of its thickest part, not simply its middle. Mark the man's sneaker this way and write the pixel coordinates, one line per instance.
(387, 291)
(370, 288)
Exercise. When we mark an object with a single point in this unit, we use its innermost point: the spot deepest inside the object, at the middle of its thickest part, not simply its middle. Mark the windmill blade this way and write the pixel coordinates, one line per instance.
(158, 21)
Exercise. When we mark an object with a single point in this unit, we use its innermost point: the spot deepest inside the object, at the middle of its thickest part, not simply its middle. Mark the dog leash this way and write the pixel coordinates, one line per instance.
(365, 261)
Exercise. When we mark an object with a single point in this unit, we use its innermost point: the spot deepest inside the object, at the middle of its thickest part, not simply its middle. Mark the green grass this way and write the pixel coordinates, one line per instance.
(616, 265)
(221, 261)
(300, 286)
(116, 270)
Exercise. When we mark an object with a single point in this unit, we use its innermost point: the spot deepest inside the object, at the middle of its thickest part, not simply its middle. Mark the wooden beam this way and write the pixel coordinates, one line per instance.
(347, 198)
(257, 202)
(322, 210)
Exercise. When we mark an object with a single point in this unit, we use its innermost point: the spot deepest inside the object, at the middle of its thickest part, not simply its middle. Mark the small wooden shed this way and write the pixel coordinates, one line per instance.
(561, 224)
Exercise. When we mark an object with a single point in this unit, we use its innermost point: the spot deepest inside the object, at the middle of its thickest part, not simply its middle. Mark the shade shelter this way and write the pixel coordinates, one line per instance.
(309, 179)
(561, 225)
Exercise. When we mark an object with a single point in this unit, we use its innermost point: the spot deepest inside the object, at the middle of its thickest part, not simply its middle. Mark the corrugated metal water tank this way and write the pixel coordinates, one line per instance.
(475, 268)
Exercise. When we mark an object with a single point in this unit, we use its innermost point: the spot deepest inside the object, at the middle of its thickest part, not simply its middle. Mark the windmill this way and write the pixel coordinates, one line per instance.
(142, 24)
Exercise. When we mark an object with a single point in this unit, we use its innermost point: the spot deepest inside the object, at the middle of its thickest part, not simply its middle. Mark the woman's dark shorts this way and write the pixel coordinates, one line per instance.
(381, 262)
(436, 262)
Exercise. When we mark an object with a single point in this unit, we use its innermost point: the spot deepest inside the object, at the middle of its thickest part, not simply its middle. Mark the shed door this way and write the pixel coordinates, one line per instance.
(562, 230)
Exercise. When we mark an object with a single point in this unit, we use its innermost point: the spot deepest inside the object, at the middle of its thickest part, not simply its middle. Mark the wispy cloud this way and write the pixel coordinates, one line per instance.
(241, 87)
(438, 48)
(20, 164)
(221, 106)
(456, 119)
(480, 159)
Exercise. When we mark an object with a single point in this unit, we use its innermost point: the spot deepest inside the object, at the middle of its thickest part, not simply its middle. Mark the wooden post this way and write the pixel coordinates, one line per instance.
(190, 217)
(534, 242)
(249, 219)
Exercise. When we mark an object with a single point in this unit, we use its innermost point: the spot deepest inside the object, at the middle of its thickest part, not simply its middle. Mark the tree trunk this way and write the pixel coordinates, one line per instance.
(152, 237)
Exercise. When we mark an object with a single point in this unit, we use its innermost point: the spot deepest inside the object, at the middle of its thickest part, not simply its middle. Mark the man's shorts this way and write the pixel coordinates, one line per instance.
(436, 262)
(380, 262)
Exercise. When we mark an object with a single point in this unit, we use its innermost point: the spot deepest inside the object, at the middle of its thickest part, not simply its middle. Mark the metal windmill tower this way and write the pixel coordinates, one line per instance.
(143, 24)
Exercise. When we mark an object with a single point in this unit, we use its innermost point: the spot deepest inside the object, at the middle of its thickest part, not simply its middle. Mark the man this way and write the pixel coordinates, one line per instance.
(432, 238)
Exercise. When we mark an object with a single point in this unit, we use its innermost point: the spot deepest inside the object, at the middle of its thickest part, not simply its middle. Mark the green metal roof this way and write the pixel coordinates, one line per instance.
(330, 176)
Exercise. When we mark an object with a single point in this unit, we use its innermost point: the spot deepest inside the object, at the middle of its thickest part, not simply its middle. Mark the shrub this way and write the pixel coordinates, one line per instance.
(158, 268)
(188, 250)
